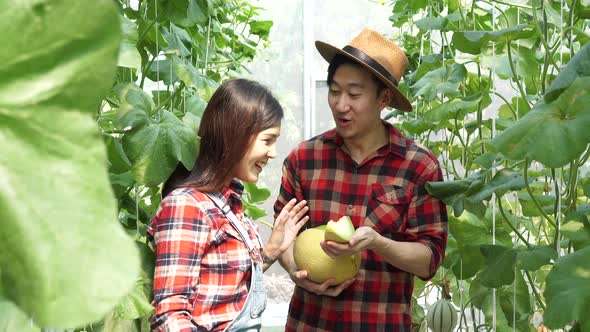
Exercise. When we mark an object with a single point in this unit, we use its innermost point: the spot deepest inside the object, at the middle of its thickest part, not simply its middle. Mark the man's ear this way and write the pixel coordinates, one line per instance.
(385, 98)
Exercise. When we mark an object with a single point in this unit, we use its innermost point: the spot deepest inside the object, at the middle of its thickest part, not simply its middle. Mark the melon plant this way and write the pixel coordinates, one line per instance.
(442, 316)
(310, 256)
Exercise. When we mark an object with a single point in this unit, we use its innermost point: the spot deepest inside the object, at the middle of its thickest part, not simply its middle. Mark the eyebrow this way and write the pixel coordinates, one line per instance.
(351, 85)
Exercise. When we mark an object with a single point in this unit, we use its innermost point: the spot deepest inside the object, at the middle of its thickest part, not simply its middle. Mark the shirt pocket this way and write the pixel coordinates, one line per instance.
(231, 249)
(386, 209)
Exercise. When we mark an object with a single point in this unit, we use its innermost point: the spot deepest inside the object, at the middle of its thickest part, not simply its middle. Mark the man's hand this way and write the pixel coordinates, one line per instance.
(326, 288)
(363, 238)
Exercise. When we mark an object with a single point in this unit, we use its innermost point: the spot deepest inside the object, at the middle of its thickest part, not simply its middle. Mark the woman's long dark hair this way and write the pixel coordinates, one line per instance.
(238, 110)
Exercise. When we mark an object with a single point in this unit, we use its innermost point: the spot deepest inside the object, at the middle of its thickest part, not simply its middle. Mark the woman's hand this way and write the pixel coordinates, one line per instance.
(286, 228)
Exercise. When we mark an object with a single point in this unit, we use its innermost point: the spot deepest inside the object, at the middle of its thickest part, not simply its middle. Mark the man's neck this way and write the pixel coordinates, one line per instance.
(361, 147)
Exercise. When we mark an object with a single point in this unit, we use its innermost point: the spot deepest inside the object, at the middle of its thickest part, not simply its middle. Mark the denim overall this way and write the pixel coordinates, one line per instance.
(249, 319)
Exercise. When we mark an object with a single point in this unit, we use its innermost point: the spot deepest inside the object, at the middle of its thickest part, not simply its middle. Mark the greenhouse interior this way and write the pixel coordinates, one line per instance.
(468, 209)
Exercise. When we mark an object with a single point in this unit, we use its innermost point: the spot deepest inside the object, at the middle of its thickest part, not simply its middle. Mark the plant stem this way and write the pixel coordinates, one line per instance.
(507, 104)
(510, 224)
(535, 292)
(176, 93)
(556, 238)
(515, 76)
(530, 191)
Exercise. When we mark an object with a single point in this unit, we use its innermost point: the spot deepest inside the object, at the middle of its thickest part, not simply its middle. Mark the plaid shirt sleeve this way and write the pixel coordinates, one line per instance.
(289, 185)
(180, 238)
(427, 218)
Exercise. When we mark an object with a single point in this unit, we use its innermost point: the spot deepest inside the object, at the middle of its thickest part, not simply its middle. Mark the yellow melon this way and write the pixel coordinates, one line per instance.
(320, 267)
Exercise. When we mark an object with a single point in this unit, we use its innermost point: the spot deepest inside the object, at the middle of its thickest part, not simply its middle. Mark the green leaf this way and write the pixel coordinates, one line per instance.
(255, 194)
(577, 232)
(483, 299)
(486, 160)
(252, 211)
(176, 38)
(579, 66)
(135, 304)
(521, 31)
(504, 180)
(65, 259)
(452, 109)
(191, 77)
(469, 41)
(568, 290)
(128, 54)
(445, 80)
(261, 28)
(554, 133)
(155, 149)
(533, 258)
(162, 70)
(469, 233)
(135, 108)
(499, 266)
(529, 208)
(432, 23)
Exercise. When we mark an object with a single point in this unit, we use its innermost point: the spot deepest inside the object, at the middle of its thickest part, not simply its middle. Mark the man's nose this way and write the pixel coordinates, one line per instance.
(343, 104)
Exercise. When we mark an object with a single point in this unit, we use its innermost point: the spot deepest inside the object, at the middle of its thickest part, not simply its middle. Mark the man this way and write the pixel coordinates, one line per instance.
(366, 169)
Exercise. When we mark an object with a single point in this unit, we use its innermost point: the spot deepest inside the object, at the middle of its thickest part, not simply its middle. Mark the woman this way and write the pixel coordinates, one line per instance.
(209, 256)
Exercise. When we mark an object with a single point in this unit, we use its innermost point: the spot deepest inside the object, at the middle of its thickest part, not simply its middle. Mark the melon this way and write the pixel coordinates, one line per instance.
(442, 316)
(310, 256)
(339, 231)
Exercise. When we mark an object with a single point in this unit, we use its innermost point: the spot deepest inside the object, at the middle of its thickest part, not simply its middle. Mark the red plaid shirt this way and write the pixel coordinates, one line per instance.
(385, 192)
(203, 268)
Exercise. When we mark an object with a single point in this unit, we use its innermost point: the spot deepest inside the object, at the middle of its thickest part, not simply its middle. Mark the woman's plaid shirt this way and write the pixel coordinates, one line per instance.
(202, 266)
(385, 192)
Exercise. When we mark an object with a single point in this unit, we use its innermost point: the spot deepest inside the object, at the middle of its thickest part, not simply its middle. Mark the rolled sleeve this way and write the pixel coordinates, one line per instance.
(427, 220)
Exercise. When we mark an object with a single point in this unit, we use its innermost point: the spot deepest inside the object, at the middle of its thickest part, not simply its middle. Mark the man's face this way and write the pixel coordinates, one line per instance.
(354, 102)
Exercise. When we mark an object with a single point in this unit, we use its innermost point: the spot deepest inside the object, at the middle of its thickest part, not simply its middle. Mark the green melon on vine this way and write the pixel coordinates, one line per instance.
(442, 316)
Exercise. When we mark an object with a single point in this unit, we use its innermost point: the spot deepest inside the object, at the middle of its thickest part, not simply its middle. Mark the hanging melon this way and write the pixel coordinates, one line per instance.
(442, 316)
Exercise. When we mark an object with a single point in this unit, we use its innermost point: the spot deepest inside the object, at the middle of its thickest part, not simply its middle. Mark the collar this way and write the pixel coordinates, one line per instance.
(397, 142)
(233, 192)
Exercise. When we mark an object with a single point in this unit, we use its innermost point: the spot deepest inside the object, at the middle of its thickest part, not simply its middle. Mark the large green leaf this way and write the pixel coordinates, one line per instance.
(470, 193)
(511, 300)
(445, 80)
(473, 41)
(553, 133)
(579, 66)
(64, 257)
(568, 290)
(533, 258)
(156, 148)
(499, 269)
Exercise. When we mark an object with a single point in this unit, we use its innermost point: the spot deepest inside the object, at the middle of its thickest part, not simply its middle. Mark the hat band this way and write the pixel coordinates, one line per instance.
(370, 61)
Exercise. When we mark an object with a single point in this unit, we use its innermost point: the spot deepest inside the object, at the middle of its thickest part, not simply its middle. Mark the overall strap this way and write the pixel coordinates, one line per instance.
(234, 221)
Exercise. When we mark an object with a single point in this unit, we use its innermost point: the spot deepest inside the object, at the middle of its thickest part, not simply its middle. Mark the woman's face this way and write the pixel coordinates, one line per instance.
(263, 148)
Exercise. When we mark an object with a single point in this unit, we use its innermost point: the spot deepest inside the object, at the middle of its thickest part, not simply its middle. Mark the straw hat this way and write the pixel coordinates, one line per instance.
(377, 54)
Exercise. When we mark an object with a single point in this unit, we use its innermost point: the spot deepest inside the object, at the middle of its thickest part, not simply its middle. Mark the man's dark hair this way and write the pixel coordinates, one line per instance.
(340, 59)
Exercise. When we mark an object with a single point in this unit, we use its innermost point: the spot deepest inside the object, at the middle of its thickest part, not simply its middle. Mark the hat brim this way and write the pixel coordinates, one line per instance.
(399, 101)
